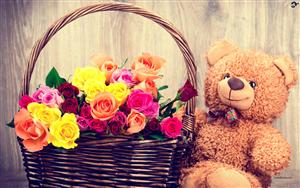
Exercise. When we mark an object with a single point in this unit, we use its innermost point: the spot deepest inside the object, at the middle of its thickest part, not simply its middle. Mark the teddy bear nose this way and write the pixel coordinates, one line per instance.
(235, 83)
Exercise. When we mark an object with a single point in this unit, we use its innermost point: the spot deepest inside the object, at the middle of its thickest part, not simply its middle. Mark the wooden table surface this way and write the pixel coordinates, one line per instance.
(271, 26)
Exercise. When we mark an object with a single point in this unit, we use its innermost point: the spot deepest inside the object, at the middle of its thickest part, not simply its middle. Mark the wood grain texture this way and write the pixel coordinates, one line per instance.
(270, 26)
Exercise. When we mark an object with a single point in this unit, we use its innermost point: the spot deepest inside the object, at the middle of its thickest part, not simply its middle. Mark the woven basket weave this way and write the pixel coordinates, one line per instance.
(108, 161)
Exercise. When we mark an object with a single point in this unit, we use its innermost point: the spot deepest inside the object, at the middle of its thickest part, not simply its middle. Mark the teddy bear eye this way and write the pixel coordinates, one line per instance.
(252, 84)
(227, 75)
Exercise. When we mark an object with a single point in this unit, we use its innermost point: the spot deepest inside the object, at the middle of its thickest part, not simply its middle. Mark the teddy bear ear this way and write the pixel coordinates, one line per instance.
(219, 50)
(288, 69)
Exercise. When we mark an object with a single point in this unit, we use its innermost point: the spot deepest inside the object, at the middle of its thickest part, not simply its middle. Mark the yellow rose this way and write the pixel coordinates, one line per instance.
(43, 113)
(92, 88)
(81, 75)
(119, 90)
(64, 132)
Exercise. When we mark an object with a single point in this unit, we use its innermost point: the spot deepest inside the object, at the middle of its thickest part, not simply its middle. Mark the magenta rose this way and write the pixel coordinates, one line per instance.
(68, 90)
(25, 100)
(153, 125)
(98, 125)
(124, 76)
(143, 102)
(82, 123)
(171, 127)
(70, 105)
(47, 96)
(85, 111)
(187, 92)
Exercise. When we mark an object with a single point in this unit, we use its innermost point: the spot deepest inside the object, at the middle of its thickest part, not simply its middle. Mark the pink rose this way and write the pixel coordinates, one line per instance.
(48, 96)
(171, 127)
(82, 123)
(25, 100)
(143, 102)
(98, 126)
(124, 76)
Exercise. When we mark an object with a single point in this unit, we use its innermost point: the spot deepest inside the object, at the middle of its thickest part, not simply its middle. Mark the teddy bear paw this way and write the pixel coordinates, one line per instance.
(227, 178)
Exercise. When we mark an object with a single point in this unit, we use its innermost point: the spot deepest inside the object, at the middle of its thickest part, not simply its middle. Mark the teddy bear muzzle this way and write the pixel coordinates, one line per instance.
(236, 92)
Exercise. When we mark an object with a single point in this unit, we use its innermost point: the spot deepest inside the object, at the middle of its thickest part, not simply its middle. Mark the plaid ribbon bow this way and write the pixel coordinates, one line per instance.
(231, 116)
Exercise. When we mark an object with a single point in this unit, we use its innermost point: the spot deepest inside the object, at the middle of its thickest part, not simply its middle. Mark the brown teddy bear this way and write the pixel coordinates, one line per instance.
(236, 145)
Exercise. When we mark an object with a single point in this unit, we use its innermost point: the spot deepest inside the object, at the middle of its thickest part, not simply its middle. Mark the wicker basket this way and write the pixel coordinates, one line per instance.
(110, 161)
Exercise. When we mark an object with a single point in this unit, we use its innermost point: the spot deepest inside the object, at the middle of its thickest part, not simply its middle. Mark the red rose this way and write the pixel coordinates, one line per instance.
(124, 108)
(120, 117)
(153, 125)
(187, 92)
(68, 90)
(117, 123)
(98, 126)
(70, 105)
(115, 127)
(85, 111)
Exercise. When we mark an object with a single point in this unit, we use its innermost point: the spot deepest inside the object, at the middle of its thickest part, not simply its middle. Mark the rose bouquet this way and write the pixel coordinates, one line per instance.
(103, 100)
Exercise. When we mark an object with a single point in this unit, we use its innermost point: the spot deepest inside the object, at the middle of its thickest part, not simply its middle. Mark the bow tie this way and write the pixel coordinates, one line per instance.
(231, 116)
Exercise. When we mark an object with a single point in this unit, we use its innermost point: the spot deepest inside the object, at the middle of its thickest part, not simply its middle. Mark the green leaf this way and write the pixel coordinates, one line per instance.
(53, 79)
(173, 110)
(163, 87)
(11, 124)
(167, 111)
(60, 150)
(165, 103)
(141, 137)
(179, 105)
(159, 96)
(81, 99)
(157, 136)
(88, 133)
(124, 63)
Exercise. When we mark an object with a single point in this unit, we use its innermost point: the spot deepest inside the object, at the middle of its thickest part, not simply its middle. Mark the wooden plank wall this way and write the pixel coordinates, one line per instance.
(271, 26)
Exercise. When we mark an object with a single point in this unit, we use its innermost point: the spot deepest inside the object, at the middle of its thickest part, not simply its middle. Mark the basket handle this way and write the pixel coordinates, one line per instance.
(123, 7)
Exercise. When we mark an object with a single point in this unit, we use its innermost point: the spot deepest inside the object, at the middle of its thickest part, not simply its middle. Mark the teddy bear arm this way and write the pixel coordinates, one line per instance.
(200, 119)
(216, 174)
(271, 152)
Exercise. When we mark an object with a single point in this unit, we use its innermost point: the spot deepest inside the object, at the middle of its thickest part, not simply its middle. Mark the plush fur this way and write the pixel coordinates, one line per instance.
(248, 153)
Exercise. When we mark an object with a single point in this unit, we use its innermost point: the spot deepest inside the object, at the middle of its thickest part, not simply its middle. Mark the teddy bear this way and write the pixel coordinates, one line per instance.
(235, 144)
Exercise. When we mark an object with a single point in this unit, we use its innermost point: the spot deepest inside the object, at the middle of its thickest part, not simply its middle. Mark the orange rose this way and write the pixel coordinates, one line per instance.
(104, 106)
(147, 86)
(105, 64)
(147, 67)
(136, 122)
(33, 133)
